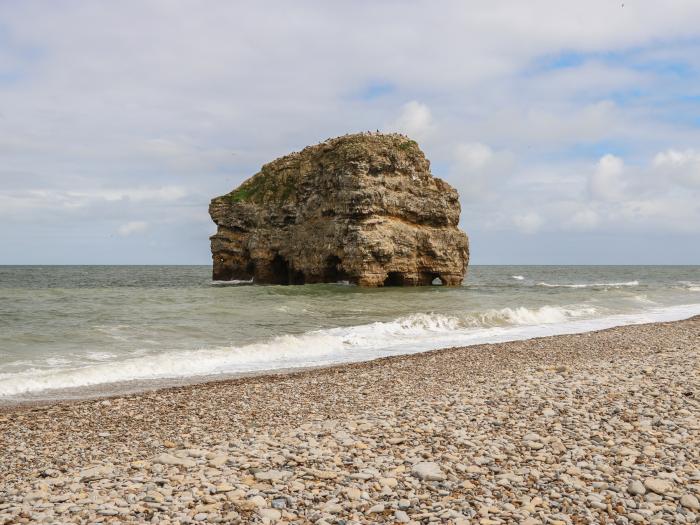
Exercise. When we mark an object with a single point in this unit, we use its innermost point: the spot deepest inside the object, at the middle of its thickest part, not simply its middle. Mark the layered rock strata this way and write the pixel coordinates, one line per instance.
(361, 208)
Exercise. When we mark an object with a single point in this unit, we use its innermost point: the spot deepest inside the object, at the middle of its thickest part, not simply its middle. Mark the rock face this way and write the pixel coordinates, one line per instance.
(361, 208)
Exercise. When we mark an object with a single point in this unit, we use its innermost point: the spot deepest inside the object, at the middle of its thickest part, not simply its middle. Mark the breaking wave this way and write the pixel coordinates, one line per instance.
(590, 285)
(517, 277)
(690, 286)
(412, 333)
(232, 282)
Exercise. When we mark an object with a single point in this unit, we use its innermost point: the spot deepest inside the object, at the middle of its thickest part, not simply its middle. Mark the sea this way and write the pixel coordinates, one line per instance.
(75, 331)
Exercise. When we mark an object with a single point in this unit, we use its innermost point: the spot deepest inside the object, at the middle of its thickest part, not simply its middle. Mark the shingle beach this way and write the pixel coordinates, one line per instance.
(600, 427)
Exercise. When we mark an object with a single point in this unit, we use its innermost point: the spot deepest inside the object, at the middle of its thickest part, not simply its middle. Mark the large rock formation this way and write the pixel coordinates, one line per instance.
(361, 208)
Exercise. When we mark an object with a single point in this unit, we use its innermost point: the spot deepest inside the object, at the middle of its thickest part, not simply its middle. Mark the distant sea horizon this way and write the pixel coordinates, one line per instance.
(81, 328)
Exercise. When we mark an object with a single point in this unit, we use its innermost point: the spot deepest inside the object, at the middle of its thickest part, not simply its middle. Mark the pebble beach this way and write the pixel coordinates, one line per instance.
(599, 427)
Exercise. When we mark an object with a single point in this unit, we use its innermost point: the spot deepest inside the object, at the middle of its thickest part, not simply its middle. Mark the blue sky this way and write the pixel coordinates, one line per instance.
(572, 131)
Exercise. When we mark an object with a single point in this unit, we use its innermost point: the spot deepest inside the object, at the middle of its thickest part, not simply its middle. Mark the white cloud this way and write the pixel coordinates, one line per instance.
(132, 228)
(165, 193)
(415, 120)
(585, 219)
(606, 181)
(478, 172)
(101, 209)
(529, 222)
(683, 166)
(473, 156)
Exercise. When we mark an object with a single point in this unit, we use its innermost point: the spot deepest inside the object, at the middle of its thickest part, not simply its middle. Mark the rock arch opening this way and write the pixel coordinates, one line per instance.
(333, 270)
(250, 270)
(394, 279)
(283, 273)
(279, 269)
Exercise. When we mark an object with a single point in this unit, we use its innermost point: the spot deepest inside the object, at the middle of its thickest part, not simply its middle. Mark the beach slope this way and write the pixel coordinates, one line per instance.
(597, 427)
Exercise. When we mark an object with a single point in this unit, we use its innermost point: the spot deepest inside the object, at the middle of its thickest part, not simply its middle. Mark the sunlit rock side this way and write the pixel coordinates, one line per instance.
(361, 208)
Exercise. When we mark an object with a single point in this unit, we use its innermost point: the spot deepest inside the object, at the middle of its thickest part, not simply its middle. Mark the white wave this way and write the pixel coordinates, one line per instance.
(232, 282)
(117, 332)
(518, 277)
(690, 286)
(590, 285)
(178, 364)
(409, 334)
(414, 332)
(543, 315)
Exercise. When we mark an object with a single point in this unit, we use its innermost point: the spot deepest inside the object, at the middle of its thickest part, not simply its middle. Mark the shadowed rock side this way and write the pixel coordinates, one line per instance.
(361, 208)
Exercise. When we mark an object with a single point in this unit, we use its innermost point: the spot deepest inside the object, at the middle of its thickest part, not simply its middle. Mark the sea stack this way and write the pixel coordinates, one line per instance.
(361, 208)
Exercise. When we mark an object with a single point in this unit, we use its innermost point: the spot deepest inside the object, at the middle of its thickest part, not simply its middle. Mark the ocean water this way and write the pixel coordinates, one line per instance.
(69, 331)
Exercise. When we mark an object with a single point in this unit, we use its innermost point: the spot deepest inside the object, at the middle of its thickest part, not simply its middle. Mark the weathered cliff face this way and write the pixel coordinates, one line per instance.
(361, 208)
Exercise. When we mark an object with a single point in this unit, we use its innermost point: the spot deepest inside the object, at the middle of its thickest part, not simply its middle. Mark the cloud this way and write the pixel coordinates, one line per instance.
(683, 166)
(132, 228)
(585, 219)
(606, 181)
(529, 222)
(473, 156)
(478, 171)
(41, 201)
(415, 120)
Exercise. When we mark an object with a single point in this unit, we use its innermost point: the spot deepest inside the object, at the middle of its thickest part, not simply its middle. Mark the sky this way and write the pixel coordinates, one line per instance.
(570, 129)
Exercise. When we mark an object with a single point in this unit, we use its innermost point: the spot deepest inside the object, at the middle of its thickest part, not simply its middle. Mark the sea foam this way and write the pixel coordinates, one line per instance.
(590, 285)
(403, 335)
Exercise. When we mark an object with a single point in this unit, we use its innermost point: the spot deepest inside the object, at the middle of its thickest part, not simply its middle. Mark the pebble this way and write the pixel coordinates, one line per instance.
(428, 471)
(95, 473)
(636, 488)
(279, 503)
(169, 459)
(690, 502)
(272, 475)
(659, 486)
(270, 514)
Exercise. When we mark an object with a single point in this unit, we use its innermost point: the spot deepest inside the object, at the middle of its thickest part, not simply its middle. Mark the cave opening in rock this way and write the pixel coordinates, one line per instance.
(333, 270)
(437, 281)
(297, 277)
(283, 273)
(394, 279)
(280, 270)
(250, 270)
